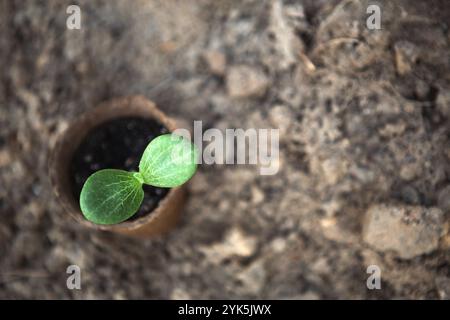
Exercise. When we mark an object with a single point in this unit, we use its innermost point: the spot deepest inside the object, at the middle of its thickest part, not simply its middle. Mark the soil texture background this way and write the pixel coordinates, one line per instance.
(364, 125)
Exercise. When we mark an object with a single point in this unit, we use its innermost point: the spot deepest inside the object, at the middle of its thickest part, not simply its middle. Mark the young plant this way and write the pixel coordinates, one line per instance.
(111, 196)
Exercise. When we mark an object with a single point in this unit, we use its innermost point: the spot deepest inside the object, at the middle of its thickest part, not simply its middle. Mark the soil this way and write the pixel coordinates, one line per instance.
(364, 119)
(117, 144)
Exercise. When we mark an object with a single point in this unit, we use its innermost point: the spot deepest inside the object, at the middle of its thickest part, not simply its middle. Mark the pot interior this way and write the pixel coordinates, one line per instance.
(117, 144)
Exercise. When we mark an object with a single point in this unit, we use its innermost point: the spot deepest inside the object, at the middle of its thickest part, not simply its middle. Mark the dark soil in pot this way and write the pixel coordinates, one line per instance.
(117, 144)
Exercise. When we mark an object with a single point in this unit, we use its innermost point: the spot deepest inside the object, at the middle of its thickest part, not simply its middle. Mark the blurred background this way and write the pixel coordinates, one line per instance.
(364, 146)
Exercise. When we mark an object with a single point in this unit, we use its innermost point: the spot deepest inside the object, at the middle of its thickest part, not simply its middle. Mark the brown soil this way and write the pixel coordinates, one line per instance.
(364, 127)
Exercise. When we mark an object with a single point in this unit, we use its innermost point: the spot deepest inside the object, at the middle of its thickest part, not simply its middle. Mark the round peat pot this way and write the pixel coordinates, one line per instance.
(114, 135)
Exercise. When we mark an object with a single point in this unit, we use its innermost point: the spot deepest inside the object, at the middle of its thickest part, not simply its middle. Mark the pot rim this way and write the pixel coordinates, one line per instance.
(68, 141)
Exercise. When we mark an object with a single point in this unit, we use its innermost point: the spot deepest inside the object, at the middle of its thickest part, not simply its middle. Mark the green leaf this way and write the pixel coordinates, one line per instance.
(168, 161)
(111, 196)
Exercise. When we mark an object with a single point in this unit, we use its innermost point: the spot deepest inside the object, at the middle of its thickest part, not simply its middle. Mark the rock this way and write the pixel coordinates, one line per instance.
(409, 231)
(332, 230)
(168, 47)
(216, 62)
(278, 244)
(410, 170)
(334, 170)
(179, 294)
(244, 81)
(257, 195)
(236, 243)
(120, 295)
(331, 168)
(406, 55)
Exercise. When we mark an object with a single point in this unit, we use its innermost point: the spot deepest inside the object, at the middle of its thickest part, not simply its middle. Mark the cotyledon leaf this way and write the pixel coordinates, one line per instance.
(168, 161)
(111, 196)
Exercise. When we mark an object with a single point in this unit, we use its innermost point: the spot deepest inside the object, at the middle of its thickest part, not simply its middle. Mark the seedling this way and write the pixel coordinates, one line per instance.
(112, 196)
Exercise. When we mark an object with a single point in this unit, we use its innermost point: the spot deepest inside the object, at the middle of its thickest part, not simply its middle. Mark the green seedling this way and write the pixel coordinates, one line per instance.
(112, 196)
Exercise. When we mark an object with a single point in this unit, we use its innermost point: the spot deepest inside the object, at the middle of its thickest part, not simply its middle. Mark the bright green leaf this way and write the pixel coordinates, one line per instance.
(111, 196)
(168, 161)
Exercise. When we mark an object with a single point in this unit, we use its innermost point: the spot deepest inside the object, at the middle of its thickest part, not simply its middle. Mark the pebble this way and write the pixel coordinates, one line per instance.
(236, 243)
(408, 231)
(244, 81)
(406, 55)
(216, 62)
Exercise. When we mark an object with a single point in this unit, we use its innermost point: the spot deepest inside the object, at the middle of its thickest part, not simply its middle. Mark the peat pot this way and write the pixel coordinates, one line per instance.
(114, 135)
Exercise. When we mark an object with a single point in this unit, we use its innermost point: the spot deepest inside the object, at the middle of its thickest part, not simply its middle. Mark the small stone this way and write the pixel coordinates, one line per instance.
(216, 62)
(278, 244)
(240, 244)
(334, 169)
(328, 222)
(244, 81)
(236, 243)
(406, 55)
(120, 295)
(393, 129)
(257, 195)
(179, 294)
(409, 231)
(410, 170)
(321, 266)
(168, 47)
(333, 230)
